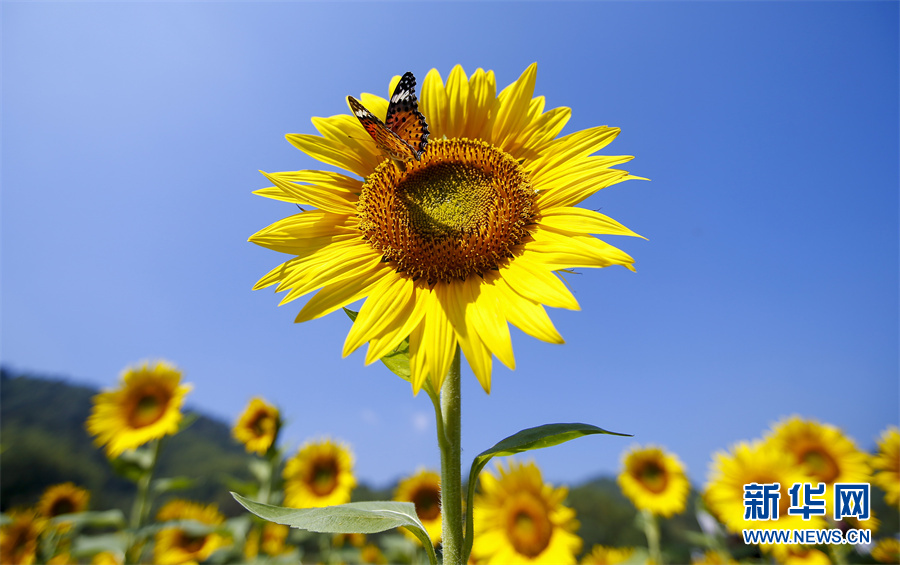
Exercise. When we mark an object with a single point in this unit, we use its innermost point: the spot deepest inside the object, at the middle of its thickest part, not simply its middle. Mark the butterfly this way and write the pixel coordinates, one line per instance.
(403, 134)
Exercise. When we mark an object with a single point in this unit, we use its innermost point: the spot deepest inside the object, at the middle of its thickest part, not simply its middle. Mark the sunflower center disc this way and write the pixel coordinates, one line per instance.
(654, 477)
(149, 406)
(528, 527)
(458, 212)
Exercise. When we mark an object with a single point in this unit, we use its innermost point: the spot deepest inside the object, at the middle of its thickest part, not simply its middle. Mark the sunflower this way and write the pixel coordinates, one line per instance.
(107, 558)
(371, 553)
(654, 480)
(320, 474)
(822, 451)
(603, 555)
(146, 406)
(521, 519)
(257, 428)
(19, 536)
(887, 550)
(451, 247)
(887, 465)
(802, 555)
(183, 545)
(424, 490)
(65, 498)
(711, 557)
(755, 463)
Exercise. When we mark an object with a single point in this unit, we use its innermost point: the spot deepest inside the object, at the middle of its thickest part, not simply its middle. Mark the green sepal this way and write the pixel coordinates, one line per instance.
(539, 437)
(350, 518)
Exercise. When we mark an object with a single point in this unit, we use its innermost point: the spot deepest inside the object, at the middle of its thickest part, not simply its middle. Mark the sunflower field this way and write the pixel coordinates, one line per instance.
(649, 513)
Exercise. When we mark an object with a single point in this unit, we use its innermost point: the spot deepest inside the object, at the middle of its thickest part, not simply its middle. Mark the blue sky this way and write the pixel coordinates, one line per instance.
(132, 134)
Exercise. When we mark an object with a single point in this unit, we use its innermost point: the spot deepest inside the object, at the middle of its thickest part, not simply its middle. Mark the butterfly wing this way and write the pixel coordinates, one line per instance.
(404, 118)
(388, 141)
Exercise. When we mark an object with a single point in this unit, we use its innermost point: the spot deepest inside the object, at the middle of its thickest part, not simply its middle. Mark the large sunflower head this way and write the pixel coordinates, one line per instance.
(654, 480)
(449, 247)
(146, 406)
(424, 490)
(822, 450)
(521, 519)
(759, 463)
(320, 474)
(182, 544)
(19, 536)
(887, 465)
(258, 426)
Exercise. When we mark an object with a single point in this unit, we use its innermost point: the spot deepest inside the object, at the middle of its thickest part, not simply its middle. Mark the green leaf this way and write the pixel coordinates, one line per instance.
(353, 517)
(547, 435)
(170, 484)
(132, 464)
(94, 519)
(87, 546)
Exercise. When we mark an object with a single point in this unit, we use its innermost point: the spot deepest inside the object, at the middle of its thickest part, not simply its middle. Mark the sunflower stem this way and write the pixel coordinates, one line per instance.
(651, 529)
(141, 508)
(451, 471)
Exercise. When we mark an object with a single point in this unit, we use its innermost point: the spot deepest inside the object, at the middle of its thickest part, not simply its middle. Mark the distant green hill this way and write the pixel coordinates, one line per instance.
(44, 442)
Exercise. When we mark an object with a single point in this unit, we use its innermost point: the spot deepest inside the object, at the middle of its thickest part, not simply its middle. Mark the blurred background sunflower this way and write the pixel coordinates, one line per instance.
(521, 519)
(145, 406)
(319, 474)
(423, 489)
(257, 427)
(654, 480)
(188, 543)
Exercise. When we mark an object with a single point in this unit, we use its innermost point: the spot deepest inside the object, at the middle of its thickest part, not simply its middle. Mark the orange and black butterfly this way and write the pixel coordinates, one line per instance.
(404, 133)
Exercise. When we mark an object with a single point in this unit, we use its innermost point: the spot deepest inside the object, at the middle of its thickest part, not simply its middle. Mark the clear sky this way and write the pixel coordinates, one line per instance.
(132, 134)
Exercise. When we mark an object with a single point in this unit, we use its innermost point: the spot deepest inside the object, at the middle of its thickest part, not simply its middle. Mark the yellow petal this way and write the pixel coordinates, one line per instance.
(329, 152)
(348, 130)
(278, 239)
(541, 131)
(418, 369)
(438, 341)
(527, 315)
(375, 104)
(581, 188)
(458, 93)
(336, 295)
(380, 312)
(325, 269)
(580, 220)
(565, 150)
(327, 198)
(482, 101)
(434, 104)
(514, 103)
(483, 312)
(557, 251)
(411, 315)
(535, 281)
(483, 95)
(452, 296)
